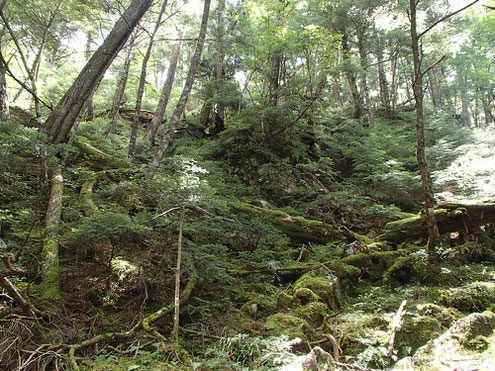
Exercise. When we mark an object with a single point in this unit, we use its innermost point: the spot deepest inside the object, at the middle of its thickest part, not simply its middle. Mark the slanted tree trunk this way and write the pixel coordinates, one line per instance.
(142, 80)
(431, 221)
(60, 122)
(161, 107)
(181, 105)
(120, 89)
(50, 272)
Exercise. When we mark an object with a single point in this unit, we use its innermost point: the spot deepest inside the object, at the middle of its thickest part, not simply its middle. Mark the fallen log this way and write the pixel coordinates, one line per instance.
(464, 218)
(296, 227)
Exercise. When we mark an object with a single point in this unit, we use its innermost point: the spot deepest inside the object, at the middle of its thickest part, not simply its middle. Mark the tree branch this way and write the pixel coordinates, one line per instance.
(445, 18)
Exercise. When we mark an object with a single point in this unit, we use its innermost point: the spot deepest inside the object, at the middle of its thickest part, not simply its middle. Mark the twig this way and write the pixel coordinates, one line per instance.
(395, 326)
(347, 366)
(175, 331)
(201, 333)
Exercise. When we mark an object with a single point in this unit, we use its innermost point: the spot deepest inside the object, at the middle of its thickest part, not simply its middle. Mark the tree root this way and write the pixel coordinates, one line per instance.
(145, 324)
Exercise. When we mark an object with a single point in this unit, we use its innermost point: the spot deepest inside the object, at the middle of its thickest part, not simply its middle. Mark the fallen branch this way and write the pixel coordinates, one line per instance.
(144, 324)
(396, 324)
(18, 298)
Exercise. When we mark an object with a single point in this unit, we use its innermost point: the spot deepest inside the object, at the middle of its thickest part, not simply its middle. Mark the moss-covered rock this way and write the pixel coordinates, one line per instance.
(286, 302)
(306, 295)
(285, 324)
(417, 331)
(476, 296)
(446, 316)
(326, 286)
(314, 312)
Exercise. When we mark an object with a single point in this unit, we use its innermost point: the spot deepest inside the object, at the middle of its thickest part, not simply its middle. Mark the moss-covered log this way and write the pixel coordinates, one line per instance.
(50, 272)
(296, 227)
(98, 160)
(451, 217)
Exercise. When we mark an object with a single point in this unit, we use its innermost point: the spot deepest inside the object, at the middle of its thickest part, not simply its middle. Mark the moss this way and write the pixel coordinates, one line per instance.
(99, 159)
(343, 271)
(285, 324)
(476, 296)
(298, 228)
(327, 287)
(50, 284)
(446, 316)
(417, 331)
(306, 295)
(313, 312)
(479, 343)
(286, 301)
(85, 196)
(399, 273)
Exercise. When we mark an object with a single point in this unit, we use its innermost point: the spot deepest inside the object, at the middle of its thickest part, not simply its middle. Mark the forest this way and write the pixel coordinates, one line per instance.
(247, 185)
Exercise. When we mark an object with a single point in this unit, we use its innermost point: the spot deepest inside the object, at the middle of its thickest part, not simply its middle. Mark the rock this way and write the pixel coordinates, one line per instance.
(454, 349)
(286, 324)
(316, 360)
(324, 285)
(476, 296)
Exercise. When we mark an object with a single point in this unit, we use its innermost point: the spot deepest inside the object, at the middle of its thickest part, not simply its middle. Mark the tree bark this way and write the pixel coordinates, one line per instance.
(181, 105)
(4, 96)
(161, 107)
(382, 77)
(60, 122)
(431, 221)
(120, 89)
(90, 107)
(351, 78)
(50, 272)
(220, 55)
(364, 82)
(142, 80)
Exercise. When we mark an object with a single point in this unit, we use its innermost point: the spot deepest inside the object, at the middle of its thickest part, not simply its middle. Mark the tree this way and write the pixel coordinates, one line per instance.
(156, 121)
(181, 105)
(431, 222)
(142, 80)
(60, 122)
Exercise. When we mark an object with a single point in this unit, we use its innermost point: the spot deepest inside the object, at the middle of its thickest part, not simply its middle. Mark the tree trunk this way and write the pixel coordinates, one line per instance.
(181, 105)
(274, 78)
(382, 78)
(60, 122)
(120, 89)
(50, 272)
(351, 78)
(431, 221)
(367, 100)
(142, 81)
(4, 97)
(161, 107)
(90, 107)
(220, 55)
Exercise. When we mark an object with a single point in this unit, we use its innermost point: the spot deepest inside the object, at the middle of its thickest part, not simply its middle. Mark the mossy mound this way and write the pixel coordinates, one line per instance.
(326, 286)
(476, 296)
(306, 295)
(417, 331)
(285, 324)
(314, 312)
(286, 302)
(446, 316)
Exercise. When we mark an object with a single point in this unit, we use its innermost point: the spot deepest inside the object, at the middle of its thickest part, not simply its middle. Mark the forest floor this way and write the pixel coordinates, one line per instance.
(298, 279)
